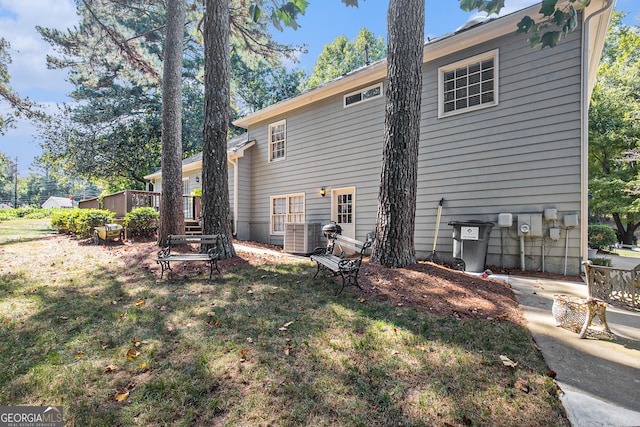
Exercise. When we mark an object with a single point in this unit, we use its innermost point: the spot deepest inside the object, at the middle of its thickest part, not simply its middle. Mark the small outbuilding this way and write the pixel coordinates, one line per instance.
(59, 202)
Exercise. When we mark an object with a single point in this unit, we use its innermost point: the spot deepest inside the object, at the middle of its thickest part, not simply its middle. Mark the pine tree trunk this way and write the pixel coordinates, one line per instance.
(216, 212)
(171, 212)
(394, 242)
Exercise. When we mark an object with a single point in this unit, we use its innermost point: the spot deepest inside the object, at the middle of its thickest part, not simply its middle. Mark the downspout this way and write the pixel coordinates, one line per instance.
(584, 129)
(234, 163)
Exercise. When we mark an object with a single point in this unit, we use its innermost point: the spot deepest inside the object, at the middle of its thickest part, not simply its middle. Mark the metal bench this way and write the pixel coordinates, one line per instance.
(211, 256)
(341, 265)
(605, 285)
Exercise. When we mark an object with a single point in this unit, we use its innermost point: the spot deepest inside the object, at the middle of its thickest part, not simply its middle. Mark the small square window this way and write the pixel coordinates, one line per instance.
(468, 85)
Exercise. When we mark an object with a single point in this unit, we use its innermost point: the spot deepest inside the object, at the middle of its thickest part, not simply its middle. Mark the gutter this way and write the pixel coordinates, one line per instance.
(584, 127)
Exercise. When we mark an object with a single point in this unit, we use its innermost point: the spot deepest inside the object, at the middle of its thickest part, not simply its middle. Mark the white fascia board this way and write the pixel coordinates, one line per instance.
(239, 152)
(343, 84)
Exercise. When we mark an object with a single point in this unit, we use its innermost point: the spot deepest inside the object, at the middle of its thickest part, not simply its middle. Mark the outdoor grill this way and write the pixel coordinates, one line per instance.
(331, 229)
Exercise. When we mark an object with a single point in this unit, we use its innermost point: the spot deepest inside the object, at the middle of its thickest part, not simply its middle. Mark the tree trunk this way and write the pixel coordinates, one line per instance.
(171, 212)
(626, 236)
(394, 242)
(216, 212)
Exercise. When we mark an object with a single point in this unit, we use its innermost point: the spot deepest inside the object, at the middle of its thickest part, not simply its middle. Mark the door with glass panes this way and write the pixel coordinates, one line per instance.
(343, 210)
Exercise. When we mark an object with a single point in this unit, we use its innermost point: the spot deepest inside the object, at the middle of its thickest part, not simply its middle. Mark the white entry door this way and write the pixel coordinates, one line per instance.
(343, 210)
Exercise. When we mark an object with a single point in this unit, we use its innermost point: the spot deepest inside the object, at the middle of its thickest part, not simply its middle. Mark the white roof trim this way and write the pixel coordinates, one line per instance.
(433, 49)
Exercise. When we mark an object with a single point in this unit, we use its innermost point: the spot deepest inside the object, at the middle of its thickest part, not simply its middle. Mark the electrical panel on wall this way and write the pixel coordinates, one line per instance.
(570, 220)
(530, 225)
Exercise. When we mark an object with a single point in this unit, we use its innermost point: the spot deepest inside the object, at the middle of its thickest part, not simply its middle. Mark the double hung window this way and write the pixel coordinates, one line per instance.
(277, 140)
(287, 208)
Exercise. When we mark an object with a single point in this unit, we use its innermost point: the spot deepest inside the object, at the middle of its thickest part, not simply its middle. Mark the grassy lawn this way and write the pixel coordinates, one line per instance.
(24, 230)
(626, 252)
(91, 328)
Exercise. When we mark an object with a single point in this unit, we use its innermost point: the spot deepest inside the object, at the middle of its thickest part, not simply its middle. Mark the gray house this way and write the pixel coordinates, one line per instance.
(503, 141)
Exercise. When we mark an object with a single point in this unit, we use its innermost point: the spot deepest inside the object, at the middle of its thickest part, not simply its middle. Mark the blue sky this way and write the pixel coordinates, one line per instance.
(324, 21)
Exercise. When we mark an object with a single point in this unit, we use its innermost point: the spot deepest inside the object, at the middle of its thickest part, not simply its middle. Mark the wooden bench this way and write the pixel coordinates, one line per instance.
(341, 265)
(605, 285)
(211, 256)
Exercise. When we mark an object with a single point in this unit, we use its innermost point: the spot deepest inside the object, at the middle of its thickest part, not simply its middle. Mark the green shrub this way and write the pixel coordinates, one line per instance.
(605, 262)
(27, 212)
(601, 236)
(80, 222)
(142, 222)
(64, 220)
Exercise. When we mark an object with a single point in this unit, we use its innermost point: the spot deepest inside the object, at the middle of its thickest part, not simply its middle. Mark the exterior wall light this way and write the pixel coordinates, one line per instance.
(197, 178)
(323, 191)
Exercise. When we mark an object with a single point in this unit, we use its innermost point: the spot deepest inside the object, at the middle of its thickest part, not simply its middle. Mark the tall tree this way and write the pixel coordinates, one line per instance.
(218, 27)
(17, 104)
(343, 56)
(393, 245)
(217, 74)
(614, 131)
(171, 207)
(257, 83)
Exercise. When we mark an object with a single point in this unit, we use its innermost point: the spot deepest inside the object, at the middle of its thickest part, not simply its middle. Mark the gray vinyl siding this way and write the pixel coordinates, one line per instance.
(520, 156)
(244, 195)
(327, 146)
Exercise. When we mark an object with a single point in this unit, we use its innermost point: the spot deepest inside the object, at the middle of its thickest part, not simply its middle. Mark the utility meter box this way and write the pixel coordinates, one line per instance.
(530, 225)
(570, 220)
(551, 214)
(505, 220)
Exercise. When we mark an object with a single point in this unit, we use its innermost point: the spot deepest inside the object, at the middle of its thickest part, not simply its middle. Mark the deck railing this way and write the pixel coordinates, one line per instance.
(125, 201)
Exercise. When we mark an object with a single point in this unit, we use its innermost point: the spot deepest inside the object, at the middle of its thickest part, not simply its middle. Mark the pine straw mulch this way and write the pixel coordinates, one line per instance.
(425, 285)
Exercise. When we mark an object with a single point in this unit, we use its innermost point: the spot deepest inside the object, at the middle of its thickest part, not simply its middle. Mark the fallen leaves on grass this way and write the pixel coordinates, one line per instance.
(132, 354)
(110, 368)
(140, 302)
(122, 393)
(508, 362)
(522, 384)
(285, 326)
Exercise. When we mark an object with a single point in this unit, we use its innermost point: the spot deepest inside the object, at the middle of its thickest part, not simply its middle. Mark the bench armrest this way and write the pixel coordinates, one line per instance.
(213, 253)
(319, 251)
(164, 252)
(349, 264)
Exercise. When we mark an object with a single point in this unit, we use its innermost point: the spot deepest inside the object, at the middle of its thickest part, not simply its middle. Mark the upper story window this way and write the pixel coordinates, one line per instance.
(362, 95)
(468, 85)
(277, 140)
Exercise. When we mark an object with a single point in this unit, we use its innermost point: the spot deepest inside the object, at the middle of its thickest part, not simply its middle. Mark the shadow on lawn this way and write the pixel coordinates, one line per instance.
(261, 344)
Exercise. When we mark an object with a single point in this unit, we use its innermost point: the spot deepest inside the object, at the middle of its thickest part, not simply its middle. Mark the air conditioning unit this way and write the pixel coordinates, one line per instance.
(301, 238)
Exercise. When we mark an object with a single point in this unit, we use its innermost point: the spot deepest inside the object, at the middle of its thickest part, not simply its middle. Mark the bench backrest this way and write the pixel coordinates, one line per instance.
(207, 239)
(615, 285)
(347, 243)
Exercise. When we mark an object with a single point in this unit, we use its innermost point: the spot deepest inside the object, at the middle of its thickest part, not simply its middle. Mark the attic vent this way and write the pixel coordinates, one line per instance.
(301, 238)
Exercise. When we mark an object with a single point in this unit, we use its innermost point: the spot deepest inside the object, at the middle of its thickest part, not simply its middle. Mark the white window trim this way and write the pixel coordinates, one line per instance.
(185, 181)
(287, 213)
(496, 82)
(344, 99)
(278, 123)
